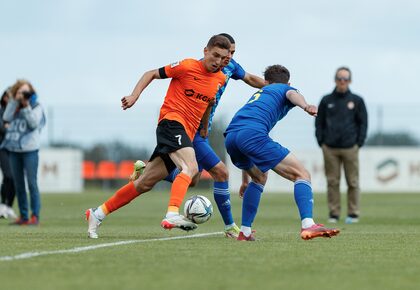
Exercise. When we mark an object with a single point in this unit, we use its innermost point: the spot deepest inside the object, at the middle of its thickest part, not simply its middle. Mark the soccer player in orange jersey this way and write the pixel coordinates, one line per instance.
(188, 101)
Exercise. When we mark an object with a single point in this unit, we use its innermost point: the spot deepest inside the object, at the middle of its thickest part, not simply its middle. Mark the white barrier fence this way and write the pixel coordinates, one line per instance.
(60, 170)
(381, 170)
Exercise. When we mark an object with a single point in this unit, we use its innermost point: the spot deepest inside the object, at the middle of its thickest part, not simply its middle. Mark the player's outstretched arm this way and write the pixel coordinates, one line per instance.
(299, 100)
(254, 81)
(145, 80)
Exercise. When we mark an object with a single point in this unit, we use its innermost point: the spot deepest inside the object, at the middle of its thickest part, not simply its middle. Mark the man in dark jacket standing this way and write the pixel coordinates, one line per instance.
(341, 127)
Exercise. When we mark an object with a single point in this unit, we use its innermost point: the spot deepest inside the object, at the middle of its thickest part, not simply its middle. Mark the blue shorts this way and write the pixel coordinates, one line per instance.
(206, 157)
(248, 148)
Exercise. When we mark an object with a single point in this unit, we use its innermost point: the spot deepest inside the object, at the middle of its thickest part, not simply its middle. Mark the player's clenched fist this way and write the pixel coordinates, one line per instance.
(311, 110)
(128, 101)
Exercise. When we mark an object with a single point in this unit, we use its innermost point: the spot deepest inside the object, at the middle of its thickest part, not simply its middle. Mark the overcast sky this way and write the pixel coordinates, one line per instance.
(82, 56)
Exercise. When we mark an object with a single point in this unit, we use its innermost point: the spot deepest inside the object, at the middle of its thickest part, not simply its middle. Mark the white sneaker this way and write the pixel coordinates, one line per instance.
(93, 222)
(3, 211)
(11, 213)
(7, 212)
(333, 220)
(351, 220)
(178, 221)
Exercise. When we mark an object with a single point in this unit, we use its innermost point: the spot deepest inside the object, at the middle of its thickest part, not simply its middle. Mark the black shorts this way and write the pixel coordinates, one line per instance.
(170, 137)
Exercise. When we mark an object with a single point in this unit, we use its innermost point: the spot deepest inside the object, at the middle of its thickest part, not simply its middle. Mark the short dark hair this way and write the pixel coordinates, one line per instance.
(218, 41)
(343, 68)
(228, 36)
(277, 74)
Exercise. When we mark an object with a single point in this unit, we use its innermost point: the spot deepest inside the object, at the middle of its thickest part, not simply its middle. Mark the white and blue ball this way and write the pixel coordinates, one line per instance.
(198, 209)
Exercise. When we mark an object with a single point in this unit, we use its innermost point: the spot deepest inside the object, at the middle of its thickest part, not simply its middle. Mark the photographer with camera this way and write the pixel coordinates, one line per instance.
(26, 119)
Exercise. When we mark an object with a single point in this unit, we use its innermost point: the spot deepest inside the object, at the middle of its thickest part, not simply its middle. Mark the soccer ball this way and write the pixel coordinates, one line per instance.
(198, 209)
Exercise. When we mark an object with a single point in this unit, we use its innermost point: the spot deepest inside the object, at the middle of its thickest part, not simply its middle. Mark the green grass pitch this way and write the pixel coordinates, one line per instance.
(381, 252)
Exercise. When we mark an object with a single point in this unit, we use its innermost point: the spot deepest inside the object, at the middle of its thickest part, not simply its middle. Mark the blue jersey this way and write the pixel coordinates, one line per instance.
(263, 110)
(232, 70)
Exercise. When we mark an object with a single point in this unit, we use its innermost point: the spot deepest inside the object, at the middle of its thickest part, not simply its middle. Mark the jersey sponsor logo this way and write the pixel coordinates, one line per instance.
(189, 92)
(350, 105)
(330, 106)
(197, 96)
(174, 64)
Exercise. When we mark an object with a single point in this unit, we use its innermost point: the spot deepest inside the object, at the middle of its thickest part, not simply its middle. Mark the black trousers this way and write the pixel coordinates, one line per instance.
(7, 189)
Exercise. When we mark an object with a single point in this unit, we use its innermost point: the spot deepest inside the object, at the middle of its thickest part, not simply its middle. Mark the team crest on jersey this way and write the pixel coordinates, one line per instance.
(350, 105)
(174, 64)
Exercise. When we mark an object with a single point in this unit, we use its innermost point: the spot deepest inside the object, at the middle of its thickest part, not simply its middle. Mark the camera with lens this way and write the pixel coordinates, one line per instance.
(27, 95)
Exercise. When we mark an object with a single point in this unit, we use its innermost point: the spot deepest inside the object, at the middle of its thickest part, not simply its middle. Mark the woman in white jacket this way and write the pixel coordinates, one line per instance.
(26, 118)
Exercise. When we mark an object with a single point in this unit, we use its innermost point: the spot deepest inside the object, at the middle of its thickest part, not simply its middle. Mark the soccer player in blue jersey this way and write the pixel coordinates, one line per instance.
(252, 150)
(206, 157)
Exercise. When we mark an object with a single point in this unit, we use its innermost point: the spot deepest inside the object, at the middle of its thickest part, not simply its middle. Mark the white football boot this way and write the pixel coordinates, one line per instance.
(178, 221)
(93, 222)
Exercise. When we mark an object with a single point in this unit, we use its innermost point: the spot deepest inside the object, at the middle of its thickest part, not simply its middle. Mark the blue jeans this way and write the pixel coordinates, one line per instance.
(21, 163)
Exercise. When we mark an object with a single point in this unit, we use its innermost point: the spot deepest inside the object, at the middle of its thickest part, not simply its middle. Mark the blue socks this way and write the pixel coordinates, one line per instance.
(304, 198)
(171, 176)
(252, 196)
(222, 198)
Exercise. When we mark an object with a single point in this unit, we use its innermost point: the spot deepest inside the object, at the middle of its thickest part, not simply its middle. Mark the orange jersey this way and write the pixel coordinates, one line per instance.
(191, 90)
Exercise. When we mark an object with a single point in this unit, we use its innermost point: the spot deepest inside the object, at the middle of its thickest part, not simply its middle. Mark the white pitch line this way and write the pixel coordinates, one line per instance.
(29, 255)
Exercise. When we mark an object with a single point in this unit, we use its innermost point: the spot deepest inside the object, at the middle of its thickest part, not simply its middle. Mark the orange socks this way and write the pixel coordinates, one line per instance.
(128, 192)
(178, 190)
(123, 196)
